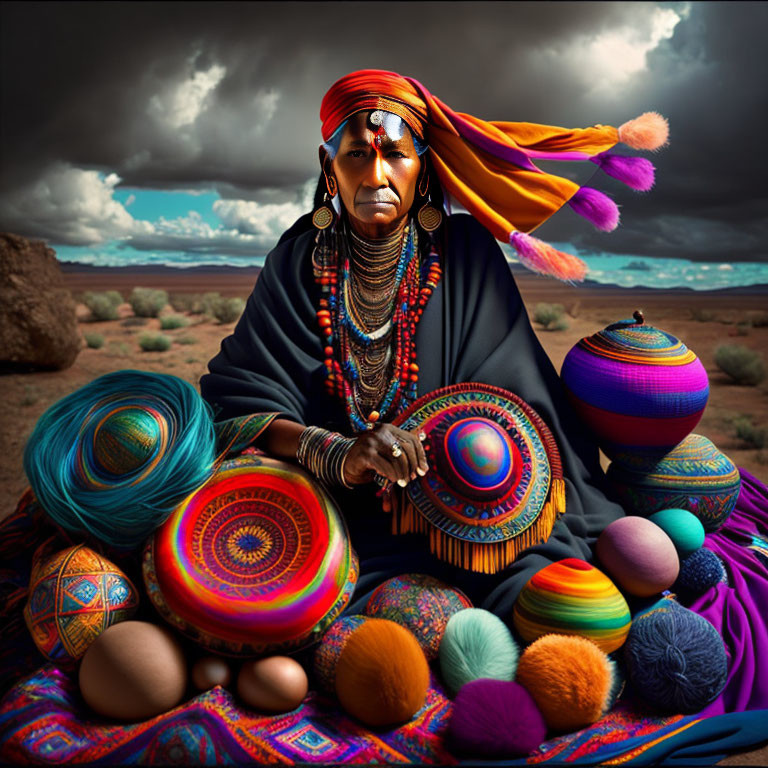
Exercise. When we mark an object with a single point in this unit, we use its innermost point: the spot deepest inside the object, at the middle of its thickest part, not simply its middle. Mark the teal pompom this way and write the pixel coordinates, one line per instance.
(477, 644)
(683, 527)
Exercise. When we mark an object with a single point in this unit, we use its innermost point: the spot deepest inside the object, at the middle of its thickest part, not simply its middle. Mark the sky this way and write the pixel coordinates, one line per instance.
(192, 128)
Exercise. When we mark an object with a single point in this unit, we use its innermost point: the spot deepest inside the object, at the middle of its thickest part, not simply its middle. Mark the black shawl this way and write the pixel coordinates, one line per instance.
(474, 328)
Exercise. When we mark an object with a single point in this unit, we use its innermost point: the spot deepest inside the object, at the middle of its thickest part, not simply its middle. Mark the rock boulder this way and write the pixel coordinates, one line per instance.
(38, 327)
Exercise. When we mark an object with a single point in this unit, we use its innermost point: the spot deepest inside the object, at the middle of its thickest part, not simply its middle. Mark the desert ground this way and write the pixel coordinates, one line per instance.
(703, 320)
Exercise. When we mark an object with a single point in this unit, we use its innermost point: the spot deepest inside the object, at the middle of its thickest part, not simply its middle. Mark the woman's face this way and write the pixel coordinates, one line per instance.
(377, 174)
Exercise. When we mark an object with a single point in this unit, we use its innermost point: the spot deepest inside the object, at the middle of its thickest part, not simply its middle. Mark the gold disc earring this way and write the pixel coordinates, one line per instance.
(322, 218)
(429, 217)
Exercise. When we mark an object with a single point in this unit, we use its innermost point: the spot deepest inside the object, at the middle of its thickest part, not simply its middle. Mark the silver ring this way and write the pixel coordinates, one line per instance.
(397, 449)
(380, 480)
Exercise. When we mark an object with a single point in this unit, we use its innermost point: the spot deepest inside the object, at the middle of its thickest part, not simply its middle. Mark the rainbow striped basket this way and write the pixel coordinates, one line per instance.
(636, 387)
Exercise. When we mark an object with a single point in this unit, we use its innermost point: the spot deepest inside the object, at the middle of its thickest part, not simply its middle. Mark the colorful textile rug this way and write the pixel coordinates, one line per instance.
(43, 719)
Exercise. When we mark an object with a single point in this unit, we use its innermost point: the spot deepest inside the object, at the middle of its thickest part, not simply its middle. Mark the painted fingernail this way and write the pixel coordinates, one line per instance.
(402, 483)
(421, 471)
(422, 436)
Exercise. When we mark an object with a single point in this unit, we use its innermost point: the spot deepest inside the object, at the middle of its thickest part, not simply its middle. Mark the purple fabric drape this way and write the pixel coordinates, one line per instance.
(739, 609)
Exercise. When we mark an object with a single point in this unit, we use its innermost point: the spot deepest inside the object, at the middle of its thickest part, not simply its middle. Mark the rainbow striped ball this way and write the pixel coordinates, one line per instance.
(73, 597)
(636, 387)
(695, 476)
(572, 597)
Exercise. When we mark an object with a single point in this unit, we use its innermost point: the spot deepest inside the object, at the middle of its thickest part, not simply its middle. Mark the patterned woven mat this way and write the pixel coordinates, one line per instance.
(44, 720)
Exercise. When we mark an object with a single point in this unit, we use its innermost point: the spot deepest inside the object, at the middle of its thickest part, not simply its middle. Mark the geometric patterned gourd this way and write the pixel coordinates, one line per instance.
(636, 387)
(421, 603)
(694, 475)
(73, 597)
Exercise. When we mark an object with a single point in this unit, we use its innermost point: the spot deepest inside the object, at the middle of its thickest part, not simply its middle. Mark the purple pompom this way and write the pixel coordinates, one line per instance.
(635, 172)
(495, 718)
(596, 207)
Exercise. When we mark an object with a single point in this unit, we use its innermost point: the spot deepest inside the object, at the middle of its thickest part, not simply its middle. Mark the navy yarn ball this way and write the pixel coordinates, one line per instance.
(495, 718)
(700, 571)
(675, 658)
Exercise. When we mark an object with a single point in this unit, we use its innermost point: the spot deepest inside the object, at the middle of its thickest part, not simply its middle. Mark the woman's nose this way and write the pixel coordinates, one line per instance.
(377, 176)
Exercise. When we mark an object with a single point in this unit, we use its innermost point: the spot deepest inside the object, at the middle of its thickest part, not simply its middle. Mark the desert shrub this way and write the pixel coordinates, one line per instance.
(208, 301)
(147, 302)
(187, 302)
(561, 324)
(742, 364)
(94, 340)
(228, 310)
(117, 349)
(551, 316)
(758, 319)
(702, 315)
(742, 329)
(171, 322)
(185, 340)
(755, 437)
(154, 342)
(103, 305)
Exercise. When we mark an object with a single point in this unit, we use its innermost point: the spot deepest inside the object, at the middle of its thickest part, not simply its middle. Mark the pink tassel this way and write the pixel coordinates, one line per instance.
(649, 131)
(596, 207)
(546, 260)
(636, 172)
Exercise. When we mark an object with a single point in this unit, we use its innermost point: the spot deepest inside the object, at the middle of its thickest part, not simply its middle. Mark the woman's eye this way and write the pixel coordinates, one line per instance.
(396, 154)
(356, 153)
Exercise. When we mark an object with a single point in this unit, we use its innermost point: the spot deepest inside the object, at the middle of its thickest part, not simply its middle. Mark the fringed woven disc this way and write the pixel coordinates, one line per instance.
(495, 485)
(256, 561)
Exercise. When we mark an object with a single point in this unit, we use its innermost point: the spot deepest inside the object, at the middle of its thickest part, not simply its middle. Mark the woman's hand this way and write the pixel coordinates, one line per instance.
(372, 454)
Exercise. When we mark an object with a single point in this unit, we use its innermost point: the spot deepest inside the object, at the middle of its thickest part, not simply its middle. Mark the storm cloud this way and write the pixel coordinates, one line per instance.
(226, 96)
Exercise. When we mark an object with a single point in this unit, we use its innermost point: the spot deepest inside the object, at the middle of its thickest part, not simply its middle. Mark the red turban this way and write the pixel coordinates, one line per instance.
(487, 166)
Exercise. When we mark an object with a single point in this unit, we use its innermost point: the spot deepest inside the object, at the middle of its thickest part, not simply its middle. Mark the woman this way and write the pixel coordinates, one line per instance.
(358, 312)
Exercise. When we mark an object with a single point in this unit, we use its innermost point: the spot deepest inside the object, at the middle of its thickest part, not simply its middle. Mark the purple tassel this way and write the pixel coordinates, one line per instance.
(596, 207)
(635, 172)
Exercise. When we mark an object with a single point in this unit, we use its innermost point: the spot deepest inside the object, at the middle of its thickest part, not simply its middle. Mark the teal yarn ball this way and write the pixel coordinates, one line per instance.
(113, 459)
(476, 644)
(676, 659)
(683, 527)
(126, 440)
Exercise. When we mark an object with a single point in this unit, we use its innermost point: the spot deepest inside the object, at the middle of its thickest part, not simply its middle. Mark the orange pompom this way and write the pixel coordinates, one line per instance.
(570, 679)
(649, 131)
(382, 675)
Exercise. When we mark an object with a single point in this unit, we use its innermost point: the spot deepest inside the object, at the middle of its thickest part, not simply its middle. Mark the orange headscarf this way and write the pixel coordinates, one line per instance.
(487, 166)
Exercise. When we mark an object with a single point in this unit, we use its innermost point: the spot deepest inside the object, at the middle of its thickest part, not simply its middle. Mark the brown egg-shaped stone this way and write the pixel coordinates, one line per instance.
(210, 671)
(275, 684)
(638, 555)
(133, 671)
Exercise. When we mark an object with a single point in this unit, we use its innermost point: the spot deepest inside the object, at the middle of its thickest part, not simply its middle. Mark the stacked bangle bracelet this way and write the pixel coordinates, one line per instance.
(323, 453)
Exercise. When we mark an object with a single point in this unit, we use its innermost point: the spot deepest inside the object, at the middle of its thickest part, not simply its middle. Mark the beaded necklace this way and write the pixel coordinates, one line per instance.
(369, 309)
